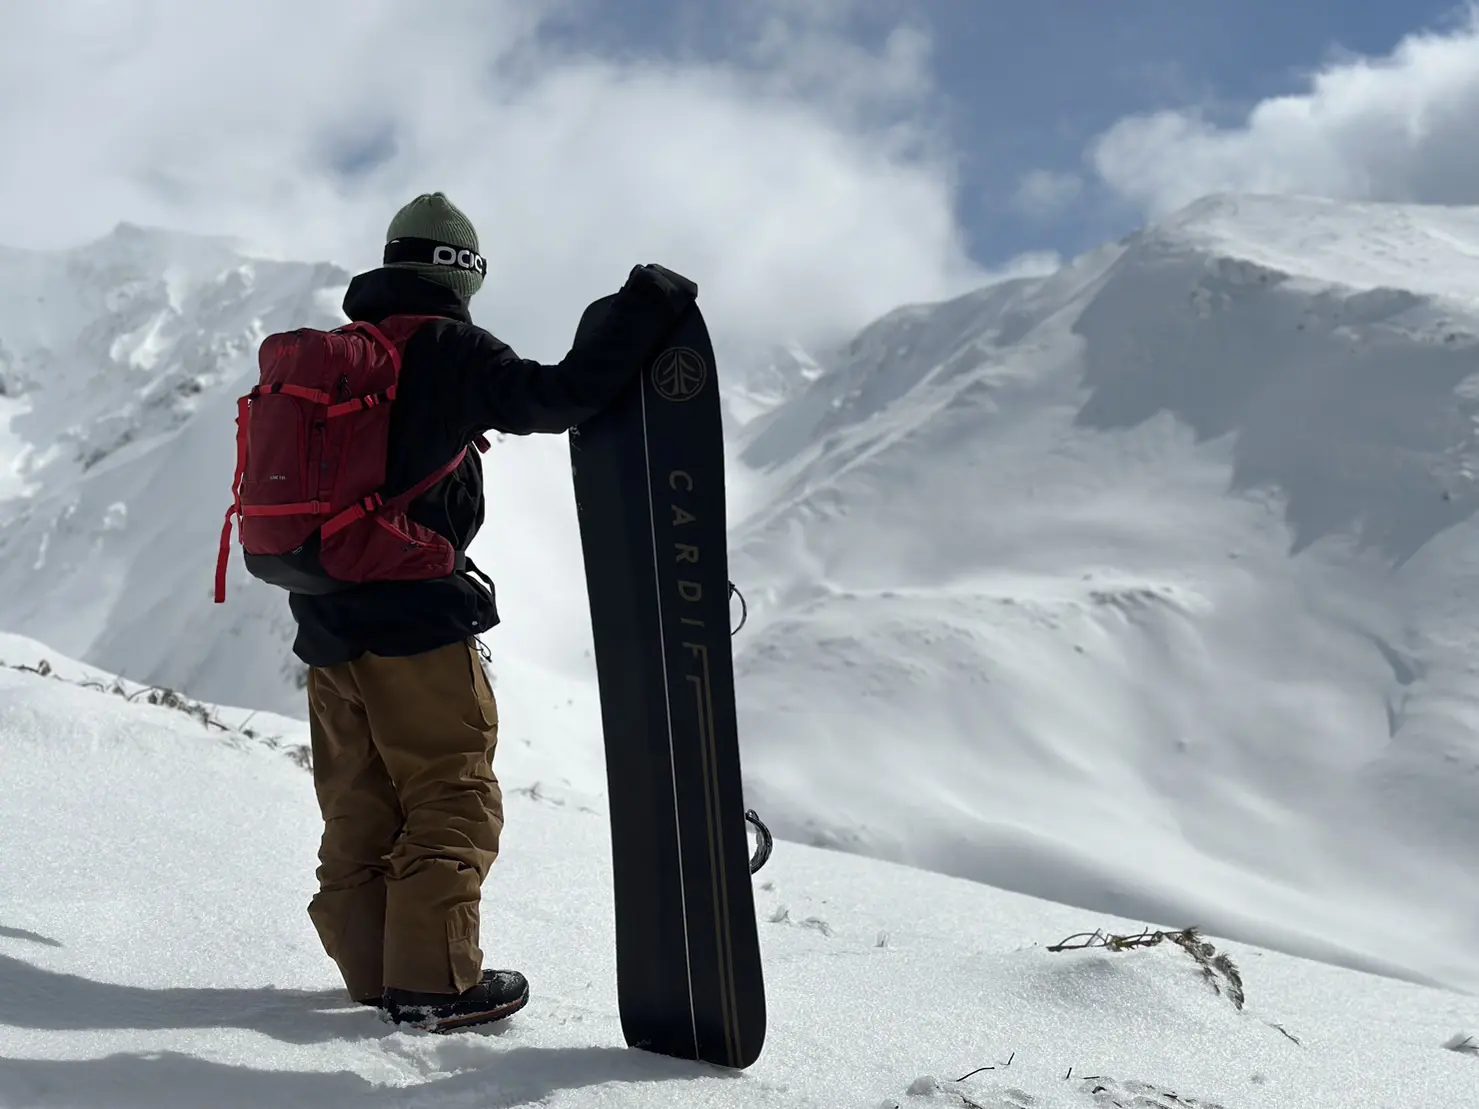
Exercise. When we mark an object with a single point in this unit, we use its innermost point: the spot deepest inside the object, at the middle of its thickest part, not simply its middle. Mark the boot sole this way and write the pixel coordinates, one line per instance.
(473, 1020)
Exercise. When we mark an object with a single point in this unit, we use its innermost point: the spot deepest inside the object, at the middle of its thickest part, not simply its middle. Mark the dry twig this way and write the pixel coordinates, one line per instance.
(1219, 971)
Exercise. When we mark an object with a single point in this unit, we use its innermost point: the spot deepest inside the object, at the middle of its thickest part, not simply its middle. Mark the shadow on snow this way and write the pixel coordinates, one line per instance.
(35, 998)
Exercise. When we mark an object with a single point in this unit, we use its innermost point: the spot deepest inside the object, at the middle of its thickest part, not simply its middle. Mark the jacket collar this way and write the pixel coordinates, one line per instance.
(375, 295)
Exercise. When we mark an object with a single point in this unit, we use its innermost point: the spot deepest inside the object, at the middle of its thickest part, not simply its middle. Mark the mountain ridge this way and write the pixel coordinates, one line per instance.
(1145, 527)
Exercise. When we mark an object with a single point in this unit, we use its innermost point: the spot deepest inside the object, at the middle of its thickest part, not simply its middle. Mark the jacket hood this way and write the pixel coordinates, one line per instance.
(384, 292)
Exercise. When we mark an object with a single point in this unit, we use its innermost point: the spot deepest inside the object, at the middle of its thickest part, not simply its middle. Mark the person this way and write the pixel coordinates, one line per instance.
(402, 717)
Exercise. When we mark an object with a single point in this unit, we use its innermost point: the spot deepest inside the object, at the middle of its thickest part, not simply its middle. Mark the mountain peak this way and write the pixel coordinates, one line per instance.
(159, 246)
(1424, 248)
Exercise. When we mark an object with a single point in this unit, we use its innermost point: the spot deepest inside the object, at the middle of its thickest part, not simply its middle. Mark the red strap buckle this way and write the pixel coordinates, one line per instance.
(352, 515)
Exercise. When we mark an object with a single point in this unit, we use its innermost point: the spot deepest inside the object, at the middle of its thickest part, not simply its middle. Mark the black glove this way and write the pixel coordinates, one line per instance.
(661, 283)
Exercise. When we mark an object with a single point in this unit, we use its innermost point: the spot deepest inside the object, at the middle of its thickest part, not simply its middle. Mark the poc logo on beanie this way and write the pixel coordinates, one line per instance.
(462, 259)
(429, 252)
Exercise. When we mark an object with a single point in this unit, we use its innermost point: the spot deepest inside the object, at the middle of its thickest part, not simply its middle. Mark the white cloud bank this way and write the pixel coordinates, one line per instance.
(800, 181)
(1399, 128)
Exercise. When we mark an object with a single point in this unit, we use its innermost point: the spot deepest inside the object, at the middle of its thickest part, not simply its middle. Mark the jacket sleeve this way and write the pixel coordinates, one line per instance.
(499, 391)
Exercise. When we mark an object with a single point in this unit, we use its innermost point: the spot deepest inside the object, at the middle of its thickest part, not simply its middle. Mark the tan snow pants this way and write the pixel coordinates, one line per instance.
(403, 768)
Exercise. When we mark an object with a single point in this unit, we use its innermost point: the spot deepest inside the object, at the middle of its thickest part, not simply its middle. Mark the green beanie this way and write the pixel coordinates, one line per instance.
(435, 219)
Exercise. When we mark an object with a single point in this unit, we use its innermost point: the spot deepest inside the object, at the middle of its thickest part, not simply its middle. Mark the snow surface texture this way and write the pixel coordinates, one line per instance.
(1148, 586)
(154, 951)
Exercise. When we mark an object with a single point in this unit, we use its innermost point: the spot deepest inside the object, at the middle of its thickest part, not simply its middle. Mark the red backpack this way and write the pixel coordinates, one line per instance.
(311, 447)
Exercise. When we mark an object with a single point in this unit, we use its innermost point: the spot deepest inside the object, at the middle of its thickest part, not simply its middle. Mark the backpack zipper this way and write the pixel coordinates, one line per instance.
(316, 451)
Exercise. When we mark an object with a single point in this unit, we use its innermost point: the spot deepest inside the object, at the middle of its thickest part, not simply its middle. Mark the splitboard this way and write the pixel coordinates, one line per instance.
(649, 488)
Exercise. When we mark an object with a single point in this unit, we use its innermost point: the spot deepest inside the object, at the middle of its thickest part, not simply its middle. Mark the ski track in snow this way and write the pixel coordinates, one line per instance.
(154, 950)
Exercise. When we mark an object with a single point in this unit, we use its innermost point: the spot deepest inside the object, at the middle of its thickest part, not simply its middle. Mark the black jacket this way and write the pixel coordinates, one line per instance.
(458, 381)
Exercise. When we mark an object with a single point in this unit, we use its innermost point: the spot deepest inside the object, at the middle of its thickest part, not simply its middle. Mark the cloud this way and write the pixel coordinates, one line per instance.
(809, 53)
(1031, 263)
(800, 180)
(1398, 128)
(1043, 194)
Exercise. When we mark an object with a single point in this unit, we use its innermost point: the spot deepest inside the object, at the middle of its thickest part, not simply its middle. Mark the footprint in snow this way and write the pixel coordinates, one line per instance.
(782, 915)
(1107, 1093)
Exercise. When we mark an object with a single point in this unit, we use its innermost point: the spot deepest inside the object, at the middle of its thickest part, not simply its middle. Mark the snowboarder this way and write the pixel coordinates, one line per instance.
(402, 715)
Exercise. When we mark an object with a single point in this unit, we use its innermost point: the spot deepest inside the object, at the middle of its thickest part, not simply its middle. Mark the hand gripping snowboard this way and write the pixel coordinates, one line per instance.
(649, 489)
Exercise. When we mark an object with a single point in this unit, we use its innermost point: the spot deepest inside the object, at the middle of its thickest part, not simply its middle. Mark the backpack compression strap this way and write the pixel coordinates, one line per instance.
(241, 511)
(243, 421)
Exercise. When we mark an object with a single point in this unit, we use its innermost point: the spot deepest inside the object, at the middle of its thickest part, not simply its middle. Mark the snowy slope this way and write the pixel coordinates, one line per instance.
(1148, 586)
(154, 951)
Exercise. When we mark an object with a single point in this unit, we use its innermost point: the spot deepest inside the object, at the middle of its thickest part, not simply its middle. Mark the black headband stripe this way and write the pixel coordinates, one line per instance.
(429, 252)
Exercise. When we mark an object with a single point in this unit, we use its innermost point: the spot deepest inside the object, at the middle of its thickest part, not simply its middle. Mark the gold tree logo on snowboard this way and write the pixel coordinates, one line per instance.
(679, 374)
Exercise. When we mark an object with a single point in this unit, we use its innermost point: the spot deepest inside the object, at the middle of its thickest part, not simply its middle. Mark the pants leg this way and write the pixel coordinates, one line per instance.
(362, 818)
(435, 728)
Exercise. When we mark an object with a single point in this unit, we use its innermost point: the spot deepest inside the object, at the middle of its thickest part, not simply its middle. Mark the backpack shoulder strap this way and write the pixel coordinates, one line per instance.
(369, 506)
(380, 339)
(395, 331)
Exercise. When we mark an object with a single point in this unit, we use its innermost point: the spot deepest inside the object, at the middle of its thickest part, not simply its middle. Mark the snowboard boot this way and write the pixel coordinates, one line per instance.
(500, 994)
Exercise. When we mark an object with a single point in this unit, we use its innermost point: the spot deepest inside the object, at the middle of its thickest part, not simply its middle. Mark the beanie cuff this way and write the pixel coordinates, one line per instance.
(432, 252)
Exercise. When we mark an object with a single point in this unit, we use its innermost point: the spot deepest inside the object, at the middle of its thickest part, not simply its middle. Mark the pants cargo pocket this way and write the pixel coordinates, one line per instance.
(464, 957)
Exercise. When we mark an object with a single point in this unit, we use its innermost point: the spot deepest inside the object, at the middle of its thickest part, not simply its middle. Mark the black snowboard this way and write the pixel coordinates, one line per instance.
(649, 488)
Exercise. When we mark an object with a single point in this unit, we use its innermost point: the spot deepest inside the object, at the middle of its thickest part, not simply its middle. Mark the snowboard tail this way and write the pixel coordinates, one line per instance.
(649, 489)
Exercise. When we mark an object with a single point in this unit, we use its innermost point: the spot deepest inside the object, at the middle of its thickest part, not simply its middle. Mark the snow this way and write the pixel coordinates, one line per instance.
(131, 351)
(1424, 249)
(1145, 587)
(154, 950)
(12, 450)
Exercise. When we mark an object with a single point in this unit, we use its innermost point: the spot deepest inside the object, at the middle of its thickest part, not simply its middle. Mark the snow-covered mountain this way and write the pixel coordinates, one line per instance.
(154, 951)
(122, 359)
(1146, 586)
(1149, 585)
